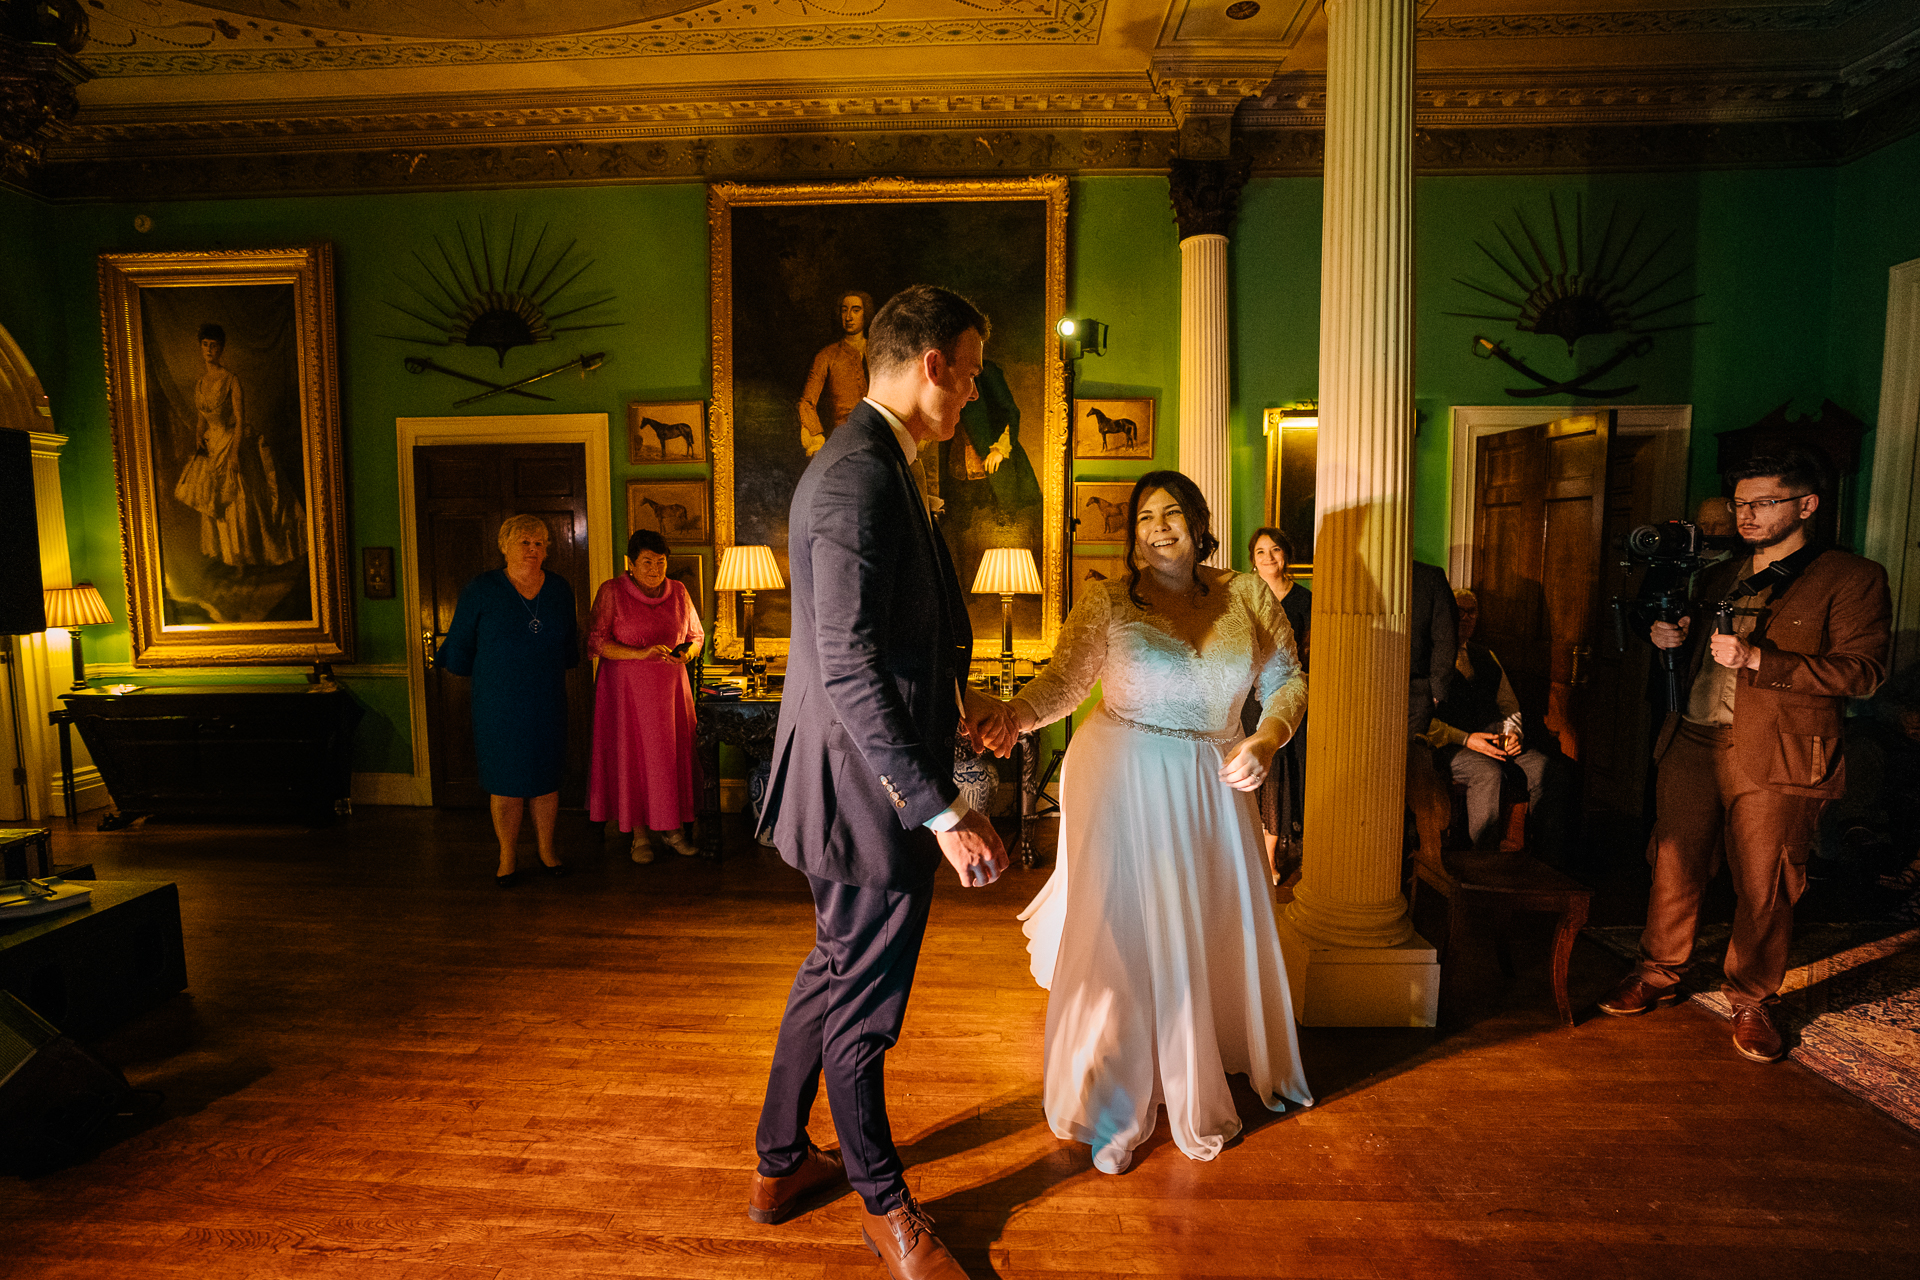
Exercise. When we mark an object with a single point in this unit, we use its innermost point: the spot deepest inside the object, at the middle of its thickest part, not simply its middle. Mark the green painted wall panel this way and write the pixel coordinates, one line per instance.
(1791, 266)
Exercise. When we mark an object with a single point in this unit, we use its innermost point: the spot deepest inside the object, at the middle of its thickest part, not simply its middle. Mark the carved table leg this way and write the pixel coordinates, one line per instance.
(1027, 748)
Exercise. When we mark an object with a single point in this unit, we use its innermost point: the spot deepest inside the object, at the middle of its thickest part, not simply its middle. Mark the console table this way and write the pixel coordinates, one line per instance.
(231, 751)
(749, 723)
(746, 723)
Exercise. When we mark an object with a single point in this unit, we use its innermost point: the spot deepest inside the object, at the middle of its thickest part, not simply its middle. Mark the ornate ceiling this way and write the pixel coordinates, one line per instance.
(249, 95)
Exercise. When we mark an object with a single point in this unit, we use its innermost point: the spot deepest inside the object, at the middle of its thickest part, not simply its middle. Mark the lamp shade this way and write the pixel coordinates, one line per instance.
(748, 569)
(1007, 571)
(70, 607)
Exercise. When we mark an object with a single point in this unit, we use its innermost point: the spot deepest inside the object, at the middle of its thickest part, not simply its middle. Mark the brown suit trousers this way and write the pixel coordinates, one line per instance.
(1768, 838)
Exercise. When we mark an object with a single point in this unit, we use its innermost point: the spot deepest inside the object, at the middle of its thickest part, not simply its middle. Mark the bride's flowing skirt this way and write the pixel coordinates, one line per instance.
(1155, 939)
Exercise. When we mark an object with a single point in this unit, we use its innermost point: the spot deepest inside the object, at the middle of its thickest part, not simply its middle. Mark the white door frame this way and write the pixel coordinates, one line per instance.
(589, 429)
(1893, 524)
(1470, 424)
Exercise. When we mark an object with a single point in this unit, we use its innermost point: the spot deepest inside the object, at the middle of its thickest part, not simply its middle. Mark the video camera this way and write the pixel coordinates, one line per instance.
(1672, 552)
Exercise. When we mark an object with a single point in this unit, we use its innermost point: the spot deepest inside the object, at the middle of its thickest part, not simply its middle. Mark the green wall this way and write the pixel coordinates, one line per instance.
(1790, 265)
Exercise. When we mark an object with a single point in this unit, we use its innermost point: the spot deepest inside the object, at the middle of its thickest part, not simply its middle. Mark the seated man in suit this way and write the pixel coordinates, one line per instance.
(1476, 732)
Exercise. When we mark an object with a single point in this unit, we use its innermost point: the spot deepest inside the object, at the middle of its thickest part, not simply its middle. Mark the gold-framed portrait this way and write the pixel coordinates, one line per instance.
(224, 395)
(797, 273)
(1293, 450)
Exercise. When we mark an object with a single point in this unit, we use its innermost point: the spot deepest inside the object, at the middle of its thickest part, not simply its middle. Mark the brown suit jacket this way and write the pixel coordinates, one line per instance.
(1822, 641)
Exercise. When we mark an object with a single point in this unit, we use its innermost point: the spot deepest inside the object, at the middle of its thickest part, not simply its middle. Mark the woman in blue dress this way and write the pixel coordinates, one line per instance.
(514, 633)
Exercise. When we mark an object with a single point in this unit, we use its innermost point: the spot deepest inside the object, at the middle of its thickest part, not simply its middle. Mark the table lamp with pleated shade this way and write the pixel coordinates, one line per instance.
(1007, 572)
(747, 570)
(71, 608)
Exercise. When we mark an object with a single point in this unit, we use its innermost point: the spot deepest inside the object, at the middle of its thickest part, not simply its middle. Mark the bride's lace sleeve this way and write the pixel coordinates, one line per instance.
(1078, 658)
(1278, 680)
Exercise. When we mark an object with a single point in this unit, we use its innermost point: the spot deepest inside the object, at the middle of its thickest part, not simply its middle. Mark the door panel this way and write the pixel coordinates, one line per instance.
(462, 494)
(1540, 514)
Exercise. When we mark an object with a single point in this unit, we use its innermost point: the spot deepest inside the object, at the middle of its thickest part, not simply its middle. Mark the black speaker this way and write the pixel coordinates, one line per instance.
(54, 1094)
(23, 609)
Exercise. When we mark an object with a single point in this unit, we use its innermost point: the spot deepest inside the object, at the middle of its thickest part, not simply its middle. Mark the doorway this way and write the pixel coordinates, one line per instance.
(459, 478)
(1541, 499)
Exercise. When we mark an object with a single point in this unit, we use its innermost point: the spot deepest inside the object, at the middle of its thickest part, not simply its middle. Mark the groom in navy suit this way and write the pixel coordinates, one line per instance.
(861, 796)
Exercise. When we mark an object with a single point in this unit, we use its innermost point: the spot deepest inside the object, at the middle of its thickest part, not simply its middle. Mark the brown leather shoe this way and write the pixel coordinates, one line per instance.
(1634, 997)
(777, 1199)
(904, 1240)
(1754, 1036)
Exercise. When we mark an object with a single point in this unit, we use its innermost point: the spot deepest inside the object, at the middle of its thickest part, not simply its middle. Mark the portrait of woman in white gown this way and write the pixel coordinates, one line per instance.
(1155, 934)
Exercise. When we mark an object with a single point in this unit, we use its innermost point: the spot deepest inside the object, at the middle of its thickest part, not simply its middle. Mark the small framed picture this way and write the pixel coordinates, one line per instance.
(1092, 570)
(676, 509)
(690, 571)
(666, 431)
(1113, 429)
(1100, 510)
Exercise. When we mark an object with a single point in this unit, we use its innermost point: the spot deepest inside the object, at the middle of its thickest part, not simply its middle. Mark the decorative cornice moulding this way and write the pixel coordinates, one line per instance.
(1668, 22)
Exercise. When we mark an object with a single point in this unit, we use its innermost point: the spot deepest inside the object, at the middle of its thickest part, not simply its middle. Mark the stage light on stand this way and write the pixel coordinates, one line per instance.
(1007, 572)
(1087, 334)
(747, 570)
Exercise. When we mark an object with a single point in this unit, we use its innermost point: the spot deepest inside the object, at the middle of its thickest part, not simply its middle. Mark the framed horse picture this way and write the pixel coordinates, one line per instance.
(668, 431)
(1113, 429)
(1100, 508)
(798, 273)
(675, 509)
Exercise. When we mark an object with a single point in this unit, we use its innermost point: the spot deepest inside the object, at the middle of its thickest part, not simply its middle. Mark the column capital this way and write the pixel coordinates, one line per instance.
(1206, 193)
(37, 77)
(1203, 96)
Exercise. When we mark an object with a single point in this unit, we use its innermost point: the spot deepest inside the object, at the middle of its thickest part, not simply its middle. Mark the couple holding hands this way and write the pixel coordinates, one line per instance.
(1154, 936)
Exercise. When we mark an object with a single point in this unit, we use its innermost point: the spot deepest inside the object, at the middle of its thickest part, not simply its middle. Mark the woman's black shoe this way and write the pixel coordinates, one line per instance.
(508, 880)
(555, 869)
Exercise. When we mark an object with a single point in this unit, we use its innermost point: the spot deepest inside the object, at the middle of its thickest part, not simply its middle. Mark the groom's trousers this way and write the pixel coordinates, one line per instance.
(844, 1013)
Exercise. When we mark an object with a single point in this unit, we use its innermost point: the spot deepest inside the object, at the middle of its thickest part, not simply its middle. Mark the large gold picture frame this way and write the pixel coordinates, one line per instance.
(223, 391)
(784, 261)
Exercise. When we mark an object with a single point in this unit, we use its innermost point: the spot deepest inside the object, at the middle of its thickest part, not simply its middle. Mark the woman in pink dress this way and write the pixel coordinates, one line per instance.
(645, 632)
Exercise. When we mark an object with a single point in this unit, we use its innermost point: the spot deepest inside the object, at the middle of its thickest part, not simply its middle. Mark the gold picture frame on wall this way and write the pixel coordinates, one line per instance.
(1293, 450)
(224, 396)
(793, 266)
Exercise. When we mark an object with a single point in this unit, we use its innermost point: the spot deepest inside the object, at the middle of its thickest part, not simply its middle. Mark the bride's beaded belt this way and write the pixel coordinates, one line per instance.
(1192, 735)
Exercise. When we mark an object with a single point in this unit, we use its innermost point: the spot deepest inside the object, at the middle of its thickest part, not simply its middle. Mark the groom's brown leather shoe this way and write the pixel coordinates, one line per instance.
(777, 1199)
(905, 1242)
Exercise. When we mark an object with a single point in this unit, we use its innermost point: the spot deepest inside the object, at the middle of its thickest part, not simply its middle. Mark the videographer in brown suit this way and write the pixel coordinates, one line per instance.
(1755, 754)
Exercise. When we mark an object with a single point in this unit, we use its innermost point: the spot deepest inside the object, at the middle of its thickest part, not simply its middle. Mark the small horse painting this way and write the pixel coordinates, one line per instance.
(673, 431)
(676, 509)
(1110, 429)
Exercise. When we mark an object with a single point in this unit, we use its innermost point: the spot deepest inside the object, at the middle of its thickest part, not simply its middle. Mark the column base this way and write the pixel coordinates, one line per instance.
(1396, 986)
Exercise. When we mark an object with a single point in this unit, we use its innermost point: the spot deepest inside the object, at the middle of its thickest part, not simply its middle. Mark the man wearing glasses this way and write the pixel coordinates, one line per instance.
(1756, 754)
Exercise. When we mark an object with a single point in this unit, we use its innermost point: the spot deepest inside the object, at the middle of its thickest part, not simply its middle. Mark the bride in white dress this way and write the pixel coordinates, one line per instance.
(1154, 936)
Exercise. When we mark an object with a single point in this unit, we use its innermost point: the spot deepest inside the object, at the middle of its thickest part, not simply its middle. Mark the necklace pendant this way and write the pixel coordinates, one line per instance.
(533, 625)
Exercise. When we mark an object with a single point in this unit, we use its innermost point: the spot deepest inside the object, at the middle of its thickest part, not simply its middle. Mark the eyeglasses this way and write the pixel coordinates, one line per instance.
(1761, 505)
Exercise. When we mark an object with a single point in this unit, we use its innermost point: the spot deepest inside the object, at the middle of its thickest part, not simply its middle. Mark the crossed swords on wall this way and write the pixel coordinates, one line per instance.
(586, 365)
(1487, 348)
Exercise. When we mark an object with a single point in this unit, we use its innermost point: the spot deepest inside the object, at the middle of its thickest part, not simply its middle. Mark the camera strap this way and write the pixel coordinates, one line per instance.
(1779, 575)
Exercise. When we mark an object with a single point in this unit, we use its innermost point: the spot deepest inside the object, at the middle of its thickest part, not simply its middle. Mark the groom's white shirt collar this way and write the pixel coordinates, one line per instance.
(908, 445)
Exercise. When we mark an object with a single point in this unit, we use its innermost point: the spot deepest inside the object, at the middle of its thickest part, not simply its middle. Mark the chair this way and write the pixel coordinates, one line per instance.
(1509, 880)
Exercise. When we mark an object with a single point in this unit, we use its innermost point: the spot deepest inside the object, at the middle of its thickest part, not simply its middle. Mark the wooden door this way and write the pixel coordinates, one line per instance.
(1540, 527)
(462, 494)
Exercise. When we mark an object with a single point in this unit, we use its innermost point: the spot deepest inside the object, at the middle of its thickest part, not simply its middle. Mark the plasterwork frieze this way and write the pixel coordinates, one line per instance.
(150, 49)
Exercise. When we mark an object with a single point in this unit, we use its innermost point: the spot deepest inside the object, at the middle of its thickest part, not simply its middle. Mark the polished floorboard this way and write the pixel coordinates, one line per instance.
(386, 1068)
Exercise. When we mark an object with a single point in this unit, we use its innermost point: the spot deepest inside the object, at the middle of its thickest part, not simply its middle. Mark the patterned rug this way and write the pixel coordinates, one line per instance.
(1850, 1005)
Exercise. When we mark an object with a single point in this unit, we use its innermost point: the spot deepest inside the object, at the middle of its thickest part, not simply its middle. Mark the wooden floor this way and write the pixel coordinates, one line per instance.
(388, 1069)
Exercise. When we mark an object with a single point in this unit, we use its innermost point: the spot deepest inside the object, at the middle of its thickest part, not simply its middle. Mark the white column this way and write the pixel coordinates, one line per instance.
(1352, 954)
(1204, 455)
(46, 660)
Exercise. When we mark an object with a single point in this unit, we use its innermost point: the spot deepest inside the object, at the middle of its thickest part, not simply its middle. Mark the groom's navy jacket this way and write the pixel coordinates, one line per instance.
(863, 754)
